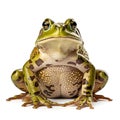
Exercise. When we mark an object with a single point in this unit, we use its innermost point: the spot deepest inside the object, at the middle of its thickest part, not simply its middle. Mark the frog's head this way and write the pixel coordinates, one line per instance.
(62, 38)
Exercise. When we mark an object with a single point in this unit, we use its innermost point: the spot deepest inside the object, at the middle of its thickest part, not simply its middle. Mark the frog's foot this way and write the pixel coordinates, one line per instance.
(20, 96)
(38, 101)
(98, 97)
(44, 102)
(49, 105)
(81, 102)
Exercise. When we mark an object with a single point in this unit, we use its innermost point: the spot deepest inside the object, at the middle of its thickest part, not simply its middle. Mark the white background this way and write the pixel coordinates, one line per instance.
(99, 23)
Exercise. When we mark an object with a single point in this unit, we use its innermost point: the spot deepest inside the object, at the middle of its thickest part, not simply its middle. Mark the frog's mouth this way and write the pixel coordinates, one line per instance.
(59, 47)
(59, 40)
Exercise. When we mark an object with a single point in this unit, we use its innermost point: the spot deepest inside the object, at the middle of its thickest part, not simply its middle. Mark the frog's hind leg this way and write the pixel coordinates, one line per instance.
(17, 78)
(100, 82)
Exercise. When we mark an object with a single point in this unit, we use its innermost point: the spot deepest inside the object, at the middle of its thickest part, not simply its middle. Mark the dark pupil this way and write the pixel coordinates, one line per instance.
(46, 25)
(73, 25)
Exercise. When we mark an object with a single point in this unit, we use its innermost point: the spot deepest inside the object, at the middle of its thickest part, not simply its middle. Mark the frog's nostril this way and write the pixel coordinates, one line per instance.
(63, 28)
(60, 26)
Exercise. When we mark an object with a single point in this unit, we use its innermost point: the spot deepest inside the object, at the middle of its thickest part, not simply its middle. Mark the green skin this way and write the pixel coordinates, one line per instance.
(59, 48)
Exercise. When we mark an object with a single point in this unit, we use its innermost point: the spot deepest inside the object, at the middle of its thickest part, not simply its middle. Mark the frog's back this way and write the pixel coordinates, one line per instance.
(60, 81)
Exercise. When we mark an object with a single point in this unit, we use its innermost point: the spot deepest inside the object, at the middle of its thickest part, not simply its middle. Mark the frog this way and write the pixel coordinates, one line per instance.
(59, 67)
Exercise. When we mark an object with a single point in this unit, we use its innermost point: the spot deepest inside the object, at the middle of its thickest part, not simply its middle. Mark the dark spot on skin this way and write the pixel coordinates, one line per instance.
(30, 61)
(47, 92)
(19, 78)
(32, 77)
(80, 88)
(48, 65)
(87, 92)
(31, 67)
(39, 62)
(80, 60)
(84, 81)
(99, 78)
(56, 60)
(37, 93)
(50, 88)
(89, 87)
(72, 63)
(87, 67)
(72, 93)
(23, 89)
(36, 84)
(77, 83)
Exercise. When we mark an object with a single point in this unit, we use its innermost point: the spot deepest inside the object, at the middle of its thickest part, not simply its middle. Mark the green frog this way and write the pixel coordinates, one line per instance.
(59, 67)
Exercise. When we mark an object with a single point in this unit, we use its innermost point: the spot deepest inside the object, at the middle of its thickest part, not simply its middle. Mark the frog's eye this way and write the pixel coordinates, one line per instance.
(47, 24)
(73, 25)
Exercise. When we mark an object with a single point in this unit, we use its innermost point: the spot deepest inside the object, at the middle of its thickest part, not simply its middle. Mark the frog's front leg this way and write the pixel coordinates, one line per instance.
(85, 97)
(32, 82)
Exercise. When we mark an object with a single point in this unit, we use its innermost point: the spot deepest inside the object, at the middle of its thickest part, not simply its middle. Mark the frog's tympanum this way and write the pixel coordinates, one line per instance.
(59, 67)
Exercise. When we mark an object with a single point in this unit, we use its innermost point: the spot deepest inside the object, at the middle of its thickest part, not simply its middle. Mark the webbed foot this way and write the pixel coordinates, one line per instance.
(81, 102)
(36, 101)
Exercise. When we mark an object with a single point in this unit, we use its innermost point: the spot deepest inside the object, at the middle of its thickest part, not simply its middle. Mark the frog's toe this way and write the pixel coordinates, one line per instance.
(20, 96)
(27, 103)
(68, 103)
(99, 97)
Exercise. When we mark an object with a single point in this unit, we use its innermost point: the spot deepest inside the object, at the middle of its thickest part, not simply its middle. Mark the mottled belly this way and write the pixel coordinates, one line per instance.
(60, 81)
